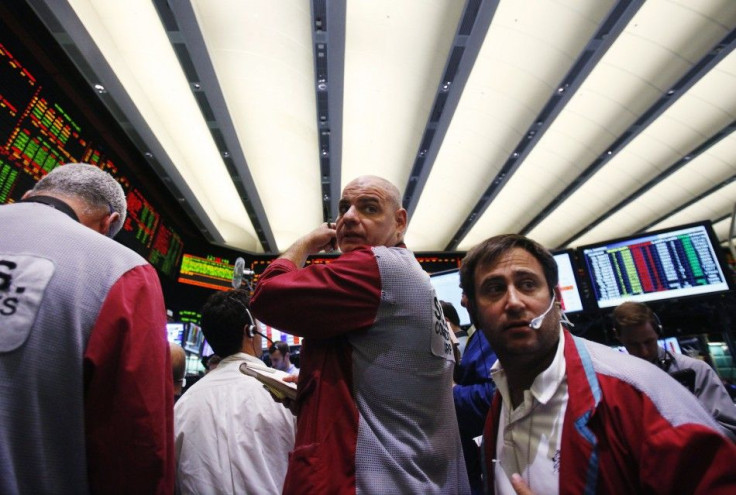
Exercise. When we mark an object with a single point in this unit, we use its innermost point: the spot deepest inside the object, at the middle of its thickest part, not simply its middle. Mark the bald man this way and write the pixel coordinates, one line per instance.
(374, 407)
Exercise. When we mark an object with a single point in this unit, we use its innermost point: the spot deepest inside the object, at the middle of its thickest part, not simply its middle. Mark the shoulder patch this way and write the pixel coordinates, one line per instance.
(23, 281)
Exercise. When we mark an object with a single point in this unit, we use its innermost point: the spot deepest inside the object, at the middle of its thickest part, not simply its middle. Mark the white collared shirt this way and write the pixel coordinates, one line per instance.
(528, 439)
(231, 437)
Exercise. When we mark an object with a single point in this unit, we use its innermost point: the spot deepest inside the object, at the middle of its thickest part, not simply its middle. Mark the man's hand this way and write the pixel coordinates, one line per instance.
(519, 485)
(285, 401)
(323, 238)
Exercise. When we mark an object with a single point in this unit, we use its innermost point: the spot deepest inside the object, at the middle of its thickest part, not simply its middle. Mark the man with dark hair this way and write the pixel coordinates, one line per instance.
(453, 319)
(374, 400)
(639, 330)
(279, 354)
(574, 416)
(85, 373)
(231, 437)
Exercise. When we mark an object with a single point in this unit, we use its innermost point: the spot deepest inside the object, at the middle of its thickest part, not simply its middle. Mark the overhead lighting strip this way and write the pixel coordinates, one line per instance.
(599, 44)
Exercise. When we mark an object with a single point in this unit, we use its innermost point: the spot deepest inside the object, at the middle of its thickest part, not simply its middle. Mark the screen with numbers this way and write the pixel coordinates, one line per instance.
(665, 264)
(41, 129)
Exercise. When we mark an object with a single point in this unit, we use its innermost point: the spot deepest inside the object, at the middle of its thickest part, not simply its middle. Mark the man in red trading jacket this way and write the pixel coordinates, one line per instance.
(86, 392)
(572, 416)
(375, 411)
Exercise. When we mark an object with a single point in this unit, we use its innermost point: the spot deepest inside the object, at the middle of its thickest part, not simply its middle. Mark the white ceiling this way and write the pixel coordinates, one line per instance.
(570, 121)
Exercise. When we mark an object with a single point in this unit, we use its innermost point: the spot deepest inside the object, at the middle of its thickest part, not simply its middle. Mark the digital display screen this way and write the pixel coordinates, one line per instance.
(175, 332)
(447, 287)
(666, 264)
(40, 129)
(194, 338)
(567, 284)
(211, 272)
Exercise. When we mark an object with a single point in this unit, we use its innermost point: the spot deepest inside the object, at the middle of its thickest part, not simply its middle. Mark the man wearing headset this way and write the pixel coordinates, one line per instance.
(230, 435)
(374, 403)
(573, 416)
(639, 329)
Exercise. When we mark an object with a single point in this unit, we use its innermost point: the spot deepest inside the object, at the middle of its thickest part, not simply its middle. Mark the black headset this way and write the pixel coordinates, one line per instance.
(666, 361)
(657, 325)
(250, 329)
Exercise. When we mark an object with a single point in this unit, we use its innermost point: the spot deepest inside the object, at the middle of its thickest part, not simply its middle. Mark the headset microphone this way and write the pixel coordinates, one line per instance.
(537, 322)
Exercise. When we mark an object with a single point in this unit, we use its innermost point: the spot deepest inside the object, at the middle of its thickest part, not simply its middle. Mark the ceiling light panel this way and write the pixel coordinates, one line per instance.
(722, 229)
(262, 53)
(394, 58)
(529, 47)
(712, 206)
(683, 127)
(698, 176)
(133, 41)
(635, 87)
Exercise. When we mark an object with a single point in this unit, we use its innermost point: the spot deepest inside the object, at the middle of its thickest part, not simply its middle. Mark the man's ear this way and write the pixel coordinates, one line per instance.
(557, 294)
(401, 220)
(26, 194)
(108, 221)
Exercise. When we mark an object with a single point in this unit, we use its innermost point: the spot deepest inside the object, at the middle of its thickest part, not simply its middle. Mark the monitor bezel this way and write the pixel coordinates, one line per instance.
(574, 263)
(460, 309)
(636, 238)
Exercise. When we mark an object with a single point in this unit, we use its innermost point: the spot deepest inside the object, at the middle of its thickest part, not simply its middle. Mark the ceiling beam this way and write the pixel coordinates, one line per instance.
(469, 36)
(602, 40)
(723, 133)
(689, 203)
(188, 42)
(328, 39)
(64, 25)
(668, 98)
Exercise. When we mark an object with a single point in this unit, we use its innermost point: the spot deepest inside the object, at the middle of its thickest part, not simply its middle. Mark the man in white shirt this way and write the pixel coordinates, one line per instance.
(231, 436)
(280, 356)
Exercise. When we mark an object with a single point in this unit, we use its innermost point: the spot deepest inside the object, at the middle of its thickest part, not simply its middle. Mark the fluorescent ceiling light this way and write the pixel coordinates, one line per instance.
(134, 44)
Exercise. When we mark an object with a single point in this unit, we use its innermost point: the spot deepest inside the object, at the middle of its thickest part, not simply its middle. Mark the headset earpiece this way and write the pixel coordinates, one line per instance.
(250, 329)
(657, 324)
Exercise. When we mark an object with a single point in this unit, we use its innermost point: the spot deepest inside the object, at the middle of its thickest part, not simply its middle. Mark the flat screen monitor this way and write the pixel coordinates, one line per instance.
(568, 282)
(447, 287)
(175, 332)
(664, 264)
(194, 340)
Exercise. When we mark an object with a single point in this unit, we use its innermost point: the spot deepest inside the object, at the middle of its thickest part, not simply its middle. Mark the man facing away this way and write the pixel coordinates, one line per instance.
(86, 394)
(374, 404)
(231, 437)
(573, 416)
(639, 329)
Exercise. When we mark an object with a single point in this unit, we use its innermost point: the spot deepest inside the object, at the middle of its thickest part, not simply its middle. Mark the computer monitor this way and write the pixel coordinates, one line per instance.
(175, 332)
(195, 337)
(447, 287)
(568, 284)
(664, 264)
